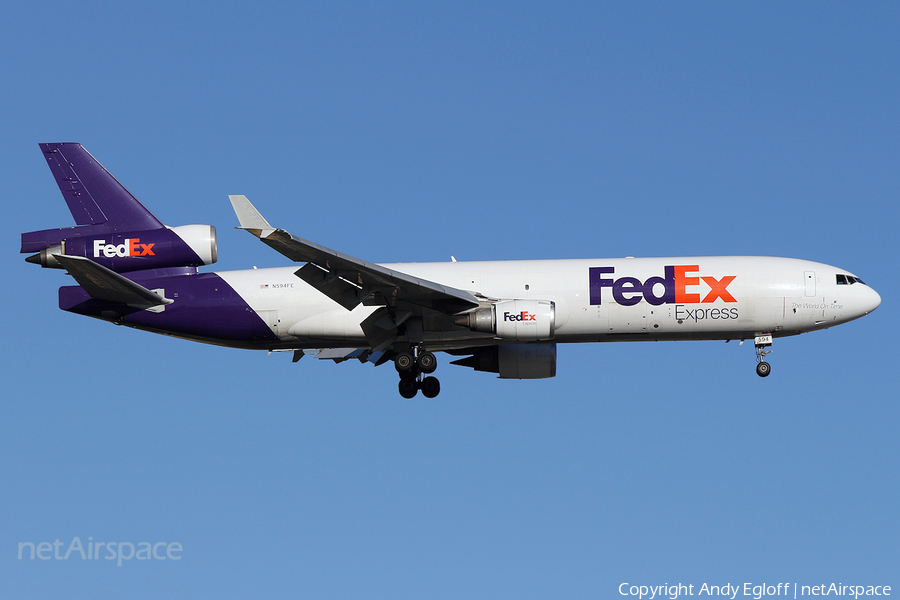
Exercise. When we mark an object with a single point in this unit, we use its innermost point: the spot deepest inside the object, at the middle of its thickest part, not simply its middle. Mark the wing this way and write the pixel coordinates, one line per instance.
(350, 281)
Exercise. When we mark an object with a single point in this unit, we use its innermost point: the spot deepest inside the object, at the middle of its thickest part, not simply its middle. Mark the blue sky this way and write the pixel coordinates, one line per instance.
(413, 132)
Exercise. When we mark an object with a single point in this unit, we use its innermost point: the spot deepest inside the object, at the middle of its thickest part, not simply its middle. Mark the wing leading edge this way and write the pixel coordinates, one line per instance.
(350, 281)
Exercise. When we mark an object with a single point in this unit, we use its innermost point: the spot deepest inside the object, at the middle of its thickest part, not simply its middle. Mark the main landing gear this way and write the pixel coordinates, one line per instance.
(762, 342)
(411, 368)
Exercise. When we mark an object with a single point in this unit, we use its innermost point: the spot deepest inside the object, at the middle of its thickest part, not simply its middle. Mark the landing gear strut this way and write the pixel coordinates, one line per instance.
(762, 342)
(411, 369)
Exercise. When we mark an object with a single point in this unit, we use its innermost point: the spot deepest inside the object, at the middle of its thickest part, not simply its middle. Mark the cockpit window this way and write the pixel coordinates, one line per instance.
(848, 279)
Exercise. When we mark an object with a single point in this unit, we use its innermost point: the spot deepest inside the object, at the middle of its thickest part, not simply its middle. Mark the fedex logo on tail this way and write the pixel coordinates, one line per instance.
(131, 247)
(678, 285)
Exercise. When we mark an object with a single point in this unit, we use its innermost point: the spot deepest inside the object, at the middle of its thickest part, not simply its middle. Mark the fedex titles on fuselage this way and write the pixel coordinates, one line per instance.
(677, 286)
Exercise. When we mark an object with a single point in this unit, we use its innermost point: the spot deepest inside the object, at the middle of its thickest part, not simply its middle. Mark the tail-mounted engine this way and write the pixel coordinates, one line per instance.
(112, 227)
(185, 246)
(520, 320)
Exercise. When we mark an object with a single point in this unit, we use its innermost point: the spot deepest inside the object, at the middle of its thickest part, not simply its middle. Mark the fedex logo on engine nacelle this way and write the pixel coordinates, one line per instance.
(131, 247)
(522, 316)
(677, 286)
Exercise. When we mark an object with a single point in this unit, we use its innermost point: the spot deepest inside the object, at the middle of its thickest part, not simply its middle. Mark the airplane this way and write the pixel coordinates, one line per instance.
(502, 317)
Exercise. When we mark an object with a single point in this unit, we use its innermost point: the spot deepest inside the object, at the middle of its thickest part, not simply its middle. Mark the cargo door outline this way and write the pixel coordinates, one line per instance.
(810, 281)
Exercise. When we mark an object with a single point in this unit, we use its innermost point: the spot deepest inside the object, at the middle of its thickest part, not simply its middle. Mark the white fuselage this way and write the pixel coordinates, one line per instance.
(727, 297)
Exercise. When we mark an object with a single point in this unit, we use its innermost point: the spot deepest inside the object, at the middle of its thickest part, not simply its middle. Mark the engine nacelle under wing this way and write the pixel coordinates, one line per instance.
(520, 320)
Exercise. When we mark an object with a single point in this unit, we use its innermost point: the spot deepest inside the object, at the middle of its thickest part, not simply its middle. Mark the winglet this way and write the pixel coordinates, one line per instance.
(250, 218)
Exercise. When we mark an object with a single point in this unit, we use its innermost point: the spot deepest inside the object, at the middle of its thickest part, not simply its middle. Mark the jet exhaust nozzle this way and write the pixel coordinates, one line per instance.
(45, 257)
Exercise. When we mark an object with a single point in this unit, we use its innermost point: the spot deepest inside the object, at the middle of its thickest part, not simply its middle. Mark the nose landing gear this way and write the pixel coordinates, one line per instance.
(762, 342)
(411, 369)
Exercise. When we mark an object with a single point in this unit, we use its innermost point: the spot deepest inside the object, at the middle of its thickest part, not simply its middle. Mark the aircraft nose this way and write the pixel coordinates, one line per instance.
(871, 300)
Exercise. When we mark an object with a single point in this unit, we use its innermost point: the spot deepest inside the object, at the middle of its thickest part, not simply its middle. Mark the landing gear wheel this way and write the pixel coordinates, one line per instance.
(426, 362)
(762, 342)
(431, 387)
(404, 362)
(411, 375)
(408, 388)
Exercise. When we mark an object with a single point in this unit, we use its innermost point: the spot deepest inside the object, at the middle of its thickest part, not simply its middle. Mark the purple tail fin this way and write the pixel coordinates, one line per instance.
(113, 228)
(94, 196)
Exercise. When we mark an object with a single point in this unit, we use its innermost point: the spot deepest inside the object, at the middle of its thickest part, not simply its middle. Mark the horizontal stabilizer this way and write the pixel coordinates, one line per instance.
(103, 284)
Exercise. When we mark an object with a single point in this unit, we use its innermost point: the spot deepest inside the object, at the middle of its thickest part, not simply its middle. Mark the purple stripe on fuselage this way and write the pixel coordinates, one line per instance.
(205, 308)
